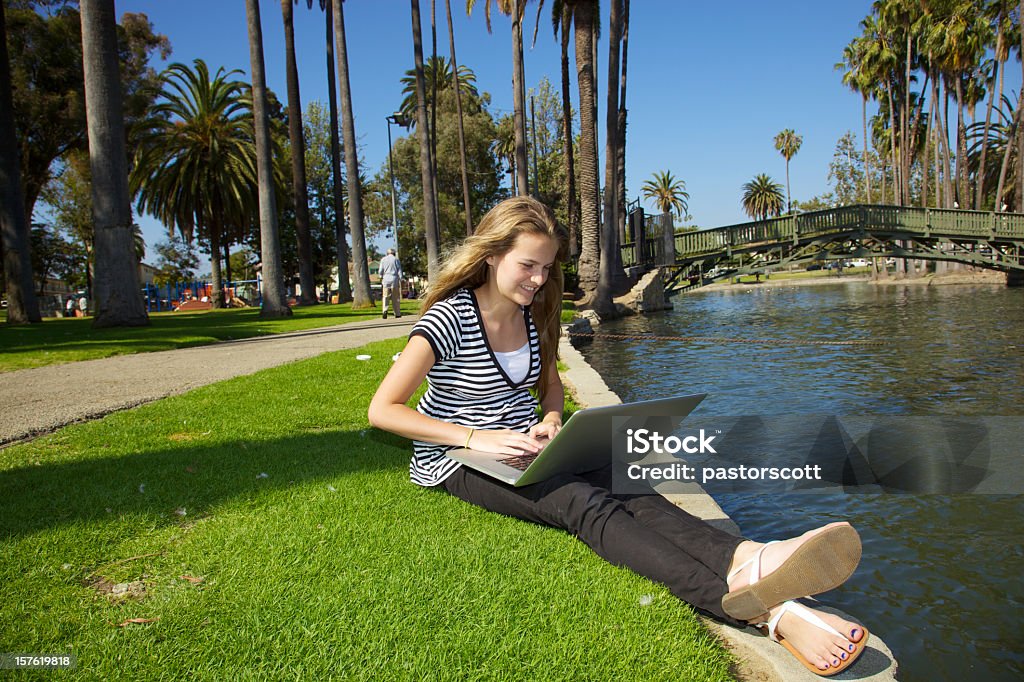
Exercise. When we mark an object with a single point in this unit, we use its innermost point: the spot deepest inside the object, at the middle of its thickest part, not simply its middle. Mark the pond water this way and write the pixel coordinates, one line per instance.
(940, 580)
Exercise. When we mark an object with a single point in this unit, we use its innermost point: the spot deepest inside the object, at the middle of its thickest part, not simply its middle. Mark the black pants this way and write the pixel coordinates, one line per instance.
(645, 533)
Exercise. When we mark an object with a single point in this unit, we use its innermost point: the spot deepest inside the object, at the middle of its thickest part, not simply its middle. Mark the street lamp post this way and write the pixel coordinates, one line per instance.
(399, 120)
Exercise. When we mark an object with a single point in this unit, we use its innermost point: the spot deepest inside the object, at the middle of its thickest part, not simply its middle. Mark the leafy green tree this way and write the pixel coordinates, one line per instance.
(54, 257)
(320, 182)
(49, 88)
(484, 172)
(788, 144)
(195, 167)
(176, 261)
(668, 194)
(762, 197)
(515, 9)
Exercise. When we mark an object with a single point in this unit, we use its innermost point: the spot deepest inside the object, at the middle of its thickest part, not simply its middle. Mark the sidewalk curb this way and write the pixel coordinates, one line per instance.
(758, 658)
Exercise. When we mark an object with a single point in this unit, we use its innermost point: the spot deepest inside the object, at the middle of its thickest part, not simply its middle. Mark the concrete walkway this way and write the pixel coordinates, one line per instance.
(41, 400)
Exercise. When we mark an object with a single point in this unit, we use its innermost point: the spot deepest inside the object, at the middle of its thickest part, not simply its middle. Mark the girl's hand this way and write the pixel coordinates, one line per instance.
(504, 442)
(545, 429)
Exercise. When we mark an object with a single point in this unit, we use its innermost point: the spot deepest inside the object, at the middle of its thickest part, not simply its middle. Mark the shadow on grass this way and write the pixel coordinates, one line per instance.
(196, 478)
(172, 330)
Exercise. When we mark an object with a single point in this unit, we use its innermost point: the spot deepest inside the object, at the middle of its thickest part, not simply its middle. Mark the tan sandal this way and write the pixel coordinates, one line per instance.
(822, 563)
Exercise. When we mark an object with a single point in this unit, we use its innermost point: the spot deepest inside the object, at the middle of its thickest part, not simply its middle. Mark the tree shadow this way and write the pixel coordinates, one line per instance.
(187, 475)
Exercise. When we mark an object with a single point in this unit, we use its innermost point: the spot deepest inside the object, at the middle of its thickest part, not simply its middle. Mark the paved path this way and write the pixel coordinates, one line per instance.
(38, 401)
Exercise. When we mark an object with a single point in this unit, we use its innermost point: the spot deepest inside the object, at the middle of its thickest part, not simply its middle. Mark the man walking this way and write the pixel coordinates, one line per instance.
(391, 282)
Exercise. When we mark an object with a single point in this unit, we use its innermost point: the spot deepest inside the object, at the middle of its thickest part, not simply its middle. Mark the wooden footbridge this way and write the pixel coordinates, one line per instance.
(984, 239)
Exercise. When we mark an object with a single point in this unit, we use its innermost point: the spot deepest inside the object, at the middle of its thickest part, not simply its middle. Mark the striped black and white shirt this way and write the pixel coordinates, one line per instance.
(467, 385)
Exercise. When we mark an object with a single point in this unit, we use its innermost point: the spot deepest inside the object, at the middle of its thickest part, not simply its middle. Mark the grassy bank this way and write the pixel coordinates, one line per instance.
(58, 340)
(277, 536)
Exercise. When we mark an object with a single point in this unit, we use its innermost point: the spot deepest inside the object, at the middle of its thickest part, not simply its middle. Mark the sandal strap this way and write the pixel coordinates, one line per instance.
(754, 563)
(803, 612)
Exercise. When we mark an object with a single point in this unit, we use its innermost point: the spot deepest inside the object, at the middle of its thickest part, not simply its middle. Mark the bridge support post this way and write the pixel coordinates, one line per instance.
(668, 234)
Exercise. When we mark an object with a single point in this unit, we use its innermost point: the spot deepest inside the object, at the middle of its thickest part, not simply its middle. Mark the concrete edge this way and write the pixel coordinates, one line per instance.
(757, 657)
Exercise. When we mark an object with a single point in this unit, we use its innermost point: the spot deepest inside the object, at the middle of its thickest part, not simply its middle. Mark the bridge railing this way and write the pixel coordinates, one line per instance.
(921, 222)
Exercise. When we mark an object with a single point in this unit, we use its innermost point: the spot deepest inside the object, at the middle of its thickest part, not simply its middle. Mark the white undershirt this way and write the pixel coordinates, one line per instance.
(516, 363)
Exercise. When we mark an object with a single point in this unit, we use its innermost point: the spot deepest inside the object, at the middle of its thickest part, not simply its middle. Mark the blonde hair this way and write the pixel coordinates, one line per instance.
(496, 235)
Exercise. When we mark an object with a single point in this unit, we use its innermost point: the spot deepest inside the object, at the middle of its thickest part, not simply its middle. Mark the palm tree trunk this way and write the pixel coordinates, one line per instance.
(1020, 148)
(897, 193)
(275, 303)
(570, 170)
(22, 305)
(344, 290)
(462, 133)
(433, 116)
(216, 276)
(116, 294)
(979, 197)
(426, 167)
(621, 161)
(789, 201)
(589, 181)
(867, 163)
(963, 197)
(906, 144)
(610, 274)
(519, 99)
(362, 297)
(298, 145)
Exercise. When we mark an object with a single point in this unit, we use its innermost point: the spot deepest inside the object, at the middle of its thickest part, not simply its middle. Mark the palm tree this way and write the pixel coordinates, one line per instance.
(561, 19)
(275, 304)
(361, 295)
(437, 72)
(195, 162)
(584, 21)
(762, 197)
(426, 165)
(22, 306)
(298, 145)
(462, 132)
(858, 80)
(344, 291)
(668, 194)
(788, 144)
(514, 9)
(611, 263)
(116, 285)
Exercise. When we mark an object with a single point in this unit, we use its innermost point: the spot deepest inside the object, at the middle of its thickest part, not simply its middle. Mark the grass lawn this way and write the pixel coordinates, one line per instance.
(277, 537)
(59, 340)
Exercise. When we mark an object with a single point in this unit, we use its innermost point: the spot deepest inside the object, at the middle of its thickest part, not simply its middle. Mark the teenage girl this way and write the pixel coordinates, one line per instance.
(488, 334)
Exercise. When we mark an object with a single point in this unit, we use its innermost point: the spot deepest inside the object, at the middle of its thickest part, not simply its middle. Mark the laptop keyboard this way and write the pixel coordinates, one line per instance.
(520, 462)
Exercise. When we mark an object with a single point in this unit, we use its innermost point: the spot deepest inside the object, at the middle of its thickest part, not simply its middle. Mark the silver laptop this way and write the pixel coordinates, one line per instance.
(583, 444)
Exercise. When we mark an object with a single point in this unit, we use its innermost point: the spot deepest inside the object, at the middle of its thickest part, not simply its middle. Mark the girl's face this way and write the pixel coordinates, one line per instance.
(521, 272)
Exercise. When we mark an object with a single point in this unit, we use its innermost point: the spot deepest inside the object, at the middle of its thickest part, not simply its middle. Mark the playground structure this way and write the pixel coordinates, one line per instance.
(196, 295)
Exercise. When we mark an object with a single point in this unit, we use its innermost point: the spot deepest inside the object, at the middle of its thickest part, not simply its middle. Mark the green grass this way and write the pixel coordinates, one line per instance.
(58, 340)
(333, 565)
(568, 312)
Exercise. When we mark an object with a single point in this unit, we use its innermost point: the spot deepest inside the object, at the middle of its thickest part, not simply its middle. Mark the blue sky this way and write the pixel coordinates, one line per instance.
(709, 84)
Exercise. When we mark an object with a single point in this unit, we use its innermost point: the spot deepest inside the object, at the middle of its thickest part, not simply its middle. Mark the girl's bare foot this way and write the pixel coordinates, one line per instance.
(820, 648)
